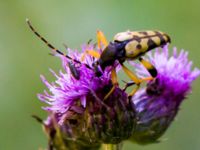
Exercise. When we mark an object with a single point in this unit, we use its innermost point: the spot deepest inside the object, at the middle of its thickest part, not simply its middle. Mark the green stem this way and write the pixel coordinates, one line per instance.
(112, 146)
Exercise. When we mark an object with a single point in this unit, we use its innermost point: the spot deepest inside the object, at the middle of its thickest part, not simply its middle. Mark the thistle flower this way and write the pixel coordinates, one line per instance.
(158, 103)
(79, 111)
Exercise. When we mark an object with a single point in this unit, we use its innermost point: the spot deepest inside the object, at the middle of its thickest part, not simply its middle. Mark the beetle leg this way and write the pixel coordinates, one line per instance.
(91, 53)
(128, 84)
(131, 75)
(101, 40)
(114, 82)
(134, 78)
(151, 69)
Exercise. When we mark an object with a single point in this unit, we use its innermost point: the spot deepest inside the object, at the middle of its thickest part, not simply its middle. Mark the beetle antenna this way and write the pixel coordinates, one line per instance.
(45, 41)
(51, 46)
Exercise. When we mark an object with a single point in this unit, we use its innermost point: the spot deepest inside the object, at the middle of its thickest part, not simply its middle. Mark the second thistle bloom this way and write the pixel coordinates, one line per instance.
(158, 103)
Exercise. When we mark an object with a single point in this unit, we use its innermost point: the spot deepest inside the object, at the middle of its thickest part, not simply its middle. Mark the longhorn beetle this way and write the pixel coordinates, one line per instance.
(129, 45)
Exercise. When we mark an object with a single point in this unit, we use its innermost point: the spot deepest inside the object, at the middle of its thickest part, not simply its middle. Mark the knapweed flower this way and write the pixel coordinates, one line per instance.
(78, 107)
(158, 103)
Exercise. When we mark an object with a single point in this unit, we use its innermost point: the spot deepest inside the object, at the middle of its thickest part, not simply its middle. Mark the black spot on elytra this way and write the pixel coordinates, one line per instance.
(162, 40)
(151, 44)
(139, 46)
(168, 38)
(161, 37)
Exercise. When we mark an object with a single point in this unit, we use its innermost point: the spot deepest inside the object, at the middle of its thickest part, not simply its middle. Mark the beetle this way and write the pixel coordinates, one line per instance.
(131, 45)
(128, 45)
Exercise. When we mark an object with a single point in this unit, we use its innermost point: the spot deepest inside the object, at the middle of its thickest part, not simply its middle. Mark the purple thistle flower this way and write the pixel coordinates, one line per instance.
(78, 106)
(67, 91)
(158, 103)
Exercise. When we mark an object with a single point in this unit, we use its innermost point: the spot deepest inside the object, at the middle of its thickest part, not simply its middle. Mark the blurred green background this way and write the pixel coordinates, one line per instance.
(23, 57)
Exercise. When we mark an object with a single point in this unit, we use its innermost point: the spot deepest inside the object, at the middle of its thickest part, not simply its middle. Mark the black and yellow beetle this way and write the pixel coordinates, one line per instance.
(125, 46)
(129, 46)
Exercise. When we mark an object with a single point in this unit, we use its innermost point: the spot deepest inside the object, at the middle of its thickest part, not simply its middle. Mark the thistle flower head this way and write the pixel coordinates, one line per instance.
(158, 103)
(67, 92)
(79, 108)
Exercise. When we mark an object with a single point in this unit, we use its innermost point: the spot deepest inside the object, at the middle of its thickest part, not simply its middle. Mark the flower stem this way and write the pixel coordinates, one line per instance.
(112, 146)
